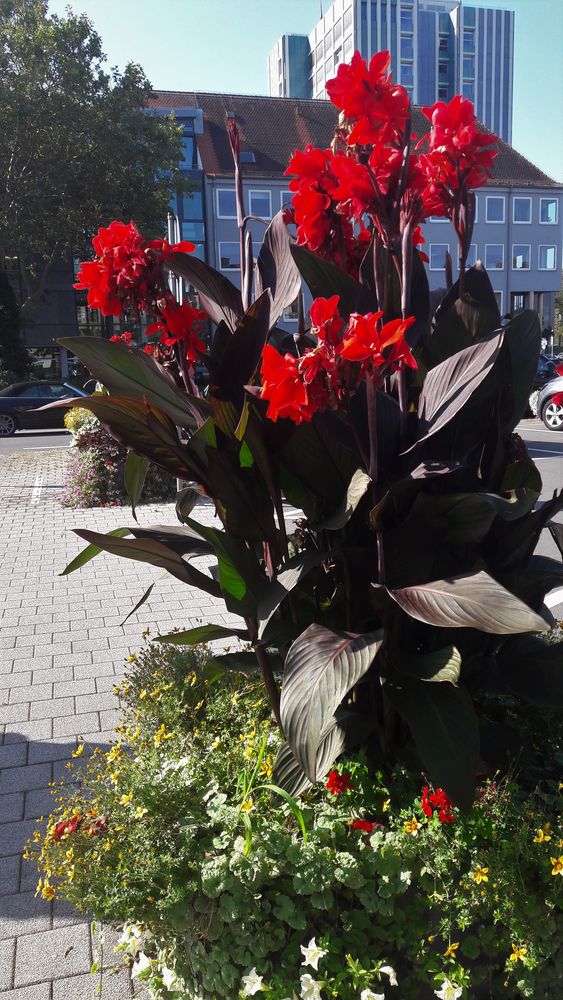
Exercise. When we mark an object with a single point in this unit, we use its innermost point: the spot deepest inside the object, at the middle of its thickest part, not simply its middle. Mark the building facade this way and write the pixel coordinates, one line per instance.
(438, 48)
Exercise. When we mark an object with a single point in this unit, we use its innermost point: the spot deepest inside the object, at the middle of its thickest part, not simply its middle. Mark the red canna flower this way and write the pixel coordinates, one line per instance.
(122, 338)
(180, 323)
(326, 321)
(66, 827)
(283, 387)
(368, 97)
(557, 398)
(337, 783)
(365, 825)
(367, 340)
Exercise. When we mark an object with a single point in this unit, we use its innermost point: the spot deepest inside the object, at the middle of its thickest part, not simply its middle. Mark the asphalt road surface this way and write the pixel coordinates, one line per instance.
(34, 440)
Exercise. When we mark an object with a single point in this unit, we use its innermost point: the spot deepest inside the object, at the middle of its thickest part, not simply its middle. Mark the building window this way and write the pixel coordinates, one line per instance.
(407, 75)
(260, 204)
(522, 210)
(438, 218)
(494, 256)
(471, 256)
(406, 48)
(469, 42)
(468, 68)
(319, 77)
(498, 297)
(193, 206)
(519, 301)
(285, 198)
(469, 16)
(226, 203)
(347, 18)
(189, 152)
(291, 312)
(547, 258)
(521, 256)
(229, 256)
(319, 53)
(193, 231)
(337, 30)
(495, 208)
(337, 56)
(469, 90)
(443, 48)
(406, 20)
(548, 211)
(438, 253)
(443, 73)
(348, 47)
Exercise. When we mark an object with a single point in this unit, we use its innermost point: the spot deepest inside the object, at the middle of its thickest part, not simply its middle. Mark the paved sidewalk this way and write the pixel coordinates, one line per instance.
(62, 650)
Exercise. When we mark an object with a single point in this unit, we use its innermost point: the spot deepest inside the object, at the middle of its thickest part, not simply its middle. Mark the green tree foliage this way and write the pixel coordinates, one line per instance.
(76, 147)
(15, 362)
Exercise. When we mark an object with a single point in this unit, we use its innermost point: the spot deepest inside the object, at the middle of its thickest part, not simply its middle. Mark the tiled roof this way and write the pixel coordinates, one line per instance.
(273, 127)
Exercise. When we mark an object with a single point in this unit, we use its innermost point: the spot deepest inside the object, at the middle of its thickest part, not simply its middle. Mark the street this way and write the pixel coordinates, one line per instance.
(34, 441)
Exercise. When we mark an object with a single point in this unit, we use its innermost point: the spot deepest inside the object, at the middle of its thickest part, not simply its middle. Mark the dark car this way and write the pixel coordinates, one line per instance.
(550, 412)
(546, 371)
(19, 402)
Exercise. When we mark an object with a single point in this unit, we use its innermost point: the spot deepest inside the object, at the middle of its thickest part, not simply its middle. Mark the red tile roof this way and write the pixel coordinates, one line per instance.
(273, 127)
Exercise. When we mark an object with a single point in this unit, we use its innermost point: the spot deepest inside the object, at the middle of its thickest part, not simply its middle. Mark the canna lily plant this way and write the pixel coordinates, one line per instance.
(376, 521)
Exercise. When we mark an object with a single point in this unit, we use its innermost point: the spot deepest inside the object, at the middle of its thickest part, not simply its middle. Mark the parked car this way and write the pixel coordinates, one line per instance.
(19, 403)
(550, 412)
(546, 371)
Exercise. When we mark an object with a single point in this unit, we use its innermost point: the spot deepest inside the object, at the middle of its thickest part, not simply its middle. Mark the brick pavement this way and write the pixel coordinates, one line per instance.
(62, 650)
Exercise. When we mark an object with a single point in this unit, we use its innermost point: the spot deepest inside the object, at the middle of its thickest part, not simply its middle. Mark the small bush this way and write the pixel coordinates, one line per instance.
(175, 835)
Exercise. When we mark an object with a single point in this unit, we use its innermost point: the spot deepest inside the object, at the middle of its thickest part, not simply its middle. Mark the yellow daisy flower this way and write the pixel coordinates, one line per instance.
(480, 875)
(518, 953)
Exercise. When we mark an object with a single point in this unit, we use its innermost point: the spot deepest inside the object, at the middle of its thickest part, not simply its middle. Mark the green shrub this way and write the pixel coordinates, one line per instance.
(176, 835)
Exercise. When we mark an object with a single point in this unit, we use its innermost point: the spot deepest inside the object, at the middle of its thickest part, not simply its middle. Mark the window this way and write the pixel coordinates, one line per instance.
(226, 203)
(337, 56)
(438, 218)
(547, 258)
(443, 48)
(319, 53)
(519, 301)
(406, 48)
(319, 77)
(260, 204)
(438, 253)
(495, 208)
(247, 156)
(498, 297)
(348, 47)
(189, 152)
(407, 75)
(406, 20)
(443, 73)
(229, 256)
(57, 391)
(494, 256)
(548, 211)
(32, 392)
(469, 42)
(347, 18)
(521, 256)
(443, 93)
(468, 68)
(193, 206)
(285, 198)
(522, 210)
(337, 30)
(291, 312)
(471, 256)
(469, 90)
(193, 231)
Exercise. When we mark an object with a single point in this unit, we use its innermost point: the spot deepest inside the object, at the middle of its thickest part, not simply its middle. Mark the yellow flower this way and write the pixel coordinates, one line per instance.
(155, 693)
(69, 854)
(543, 835)
(143, 694)
(479, 875)
(79, 751)
(70, 874)
(559, 844)
(247, 805)
(107, 845)
(113, 754)
(430, 938)
(161, 735)
(267, 766)
(412, 826)
(216, 743)
(132, 658)
(48, 891)
(36, 836)
(451, 949)
(518, 953)
(114, 777)
(140, 811)
(126, 799)
(557, 864)
(385, 806)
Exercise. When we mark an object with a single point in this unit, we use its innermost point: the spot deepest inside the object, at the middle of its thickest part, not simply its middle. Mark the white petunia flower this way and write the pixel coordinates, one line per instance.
(170, 979)
(389, 971)
(449, 991)
(252, 983)
(312, 954)
(370, 995)
(310, 988)
(143, 964)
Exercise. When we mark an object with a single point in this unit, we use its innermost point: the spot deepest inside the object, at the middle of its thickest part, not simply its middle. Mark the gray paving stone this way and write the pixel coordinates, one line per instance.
(13, 755)
(7, 955)
(115, 986)
(13, 714)
(53, 709)
(99, 669)
(39, 802)
(76, 725)
(24, 914)
(65, 914)
(38, 693)
(29, 875)
(9, 875)
(54, 674)
(41, 991)
(72, 687)
(40, 753)
(56, 953)
(23, 731)
(12, 680)
(94, 703)
(14, 836)
(23, 779)
(11, 807)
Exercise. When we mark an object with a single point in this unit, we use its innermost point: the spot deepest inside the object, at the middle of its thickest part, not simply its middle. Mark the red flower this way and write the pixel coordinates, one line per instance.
(283, 387)
(437, 800)
(66, 827)
(311, 211)
(365, 825)
(456, 139)
(98, 826)
(180, 323)
(122, 338)
(368, 97)
(384, 345)
(326, 321)
(338, 783)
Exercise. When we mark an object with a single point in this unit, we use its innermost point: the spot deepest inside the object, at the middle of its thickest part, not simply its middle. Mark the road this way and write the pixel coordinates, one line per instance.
(34, 441)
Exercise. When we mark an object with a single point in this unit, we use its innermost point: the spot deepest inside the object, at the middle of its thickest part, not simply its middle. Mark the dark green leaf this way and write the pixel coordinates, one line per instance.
(523, 338)
(90, 551)
(186, 500)
(282, 585)
(471, 601)
(320, 668)
(134, 476)
(144, 598)
(439, 665)
(184, 541)
(222, 300)
(556, 532)
(357, 488)
(241, 578)
(326, 279)
(242, 353)
(202, 633)
(532, 669)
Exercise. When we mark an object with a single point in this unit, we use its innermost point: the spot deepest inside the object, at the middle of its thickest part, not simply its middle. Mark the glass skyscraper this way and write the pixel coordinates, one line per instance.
(438, 48)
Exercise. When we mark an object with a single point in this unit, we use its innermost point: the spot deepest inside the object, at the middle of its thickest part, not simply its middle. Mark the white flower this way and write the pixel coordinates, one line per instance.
(449, 991)
(370, 995)
(312, 953)
(389, 971)
(143, 964)
(310, 988)
(252, 983)
(170, 979)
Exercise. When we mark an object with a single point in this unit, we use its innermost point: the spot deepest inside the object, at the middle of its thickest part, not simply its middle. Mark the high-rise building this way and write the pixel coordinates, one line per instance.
(438, 48)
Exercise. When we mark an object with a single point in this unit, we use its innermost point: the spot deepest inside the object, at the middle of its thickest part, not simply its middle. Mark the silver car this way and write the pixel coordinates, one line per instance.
(550, 412)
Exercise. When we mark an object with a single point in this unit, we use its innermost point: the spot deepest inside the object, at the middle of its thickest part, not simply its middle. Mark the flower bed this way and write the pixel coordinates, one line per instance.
(225, 886)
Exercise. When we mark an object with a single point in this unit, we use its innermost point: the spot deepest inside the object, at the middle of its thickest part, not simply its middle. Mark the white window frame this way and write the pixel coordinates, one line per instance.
(221, 191)
(476, 209)
(547, 246)
(437, 218)
(219, 264)
(261, 192)
(283, 204)
(476, 255)
(518, 222)
(495, 222)
(554, 223)
(430, 245)
(529, 268)
(500, 309)
(501, 245)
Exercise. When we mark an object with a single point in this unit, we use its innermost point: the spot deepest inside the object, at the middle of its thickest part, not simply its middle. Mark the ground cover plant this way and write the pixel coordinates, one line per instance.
(403, 608)
(225, 887)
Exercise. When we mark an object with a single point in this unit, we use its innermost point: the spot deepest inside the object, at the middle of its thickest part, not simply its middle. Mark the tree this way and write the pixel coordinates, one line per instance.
(15, 363)
(77, 148)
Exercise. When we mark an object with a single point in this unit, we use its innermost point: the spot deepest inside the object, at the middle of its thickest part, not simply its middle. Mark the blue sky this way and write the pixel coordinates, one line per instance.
(222, 45)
